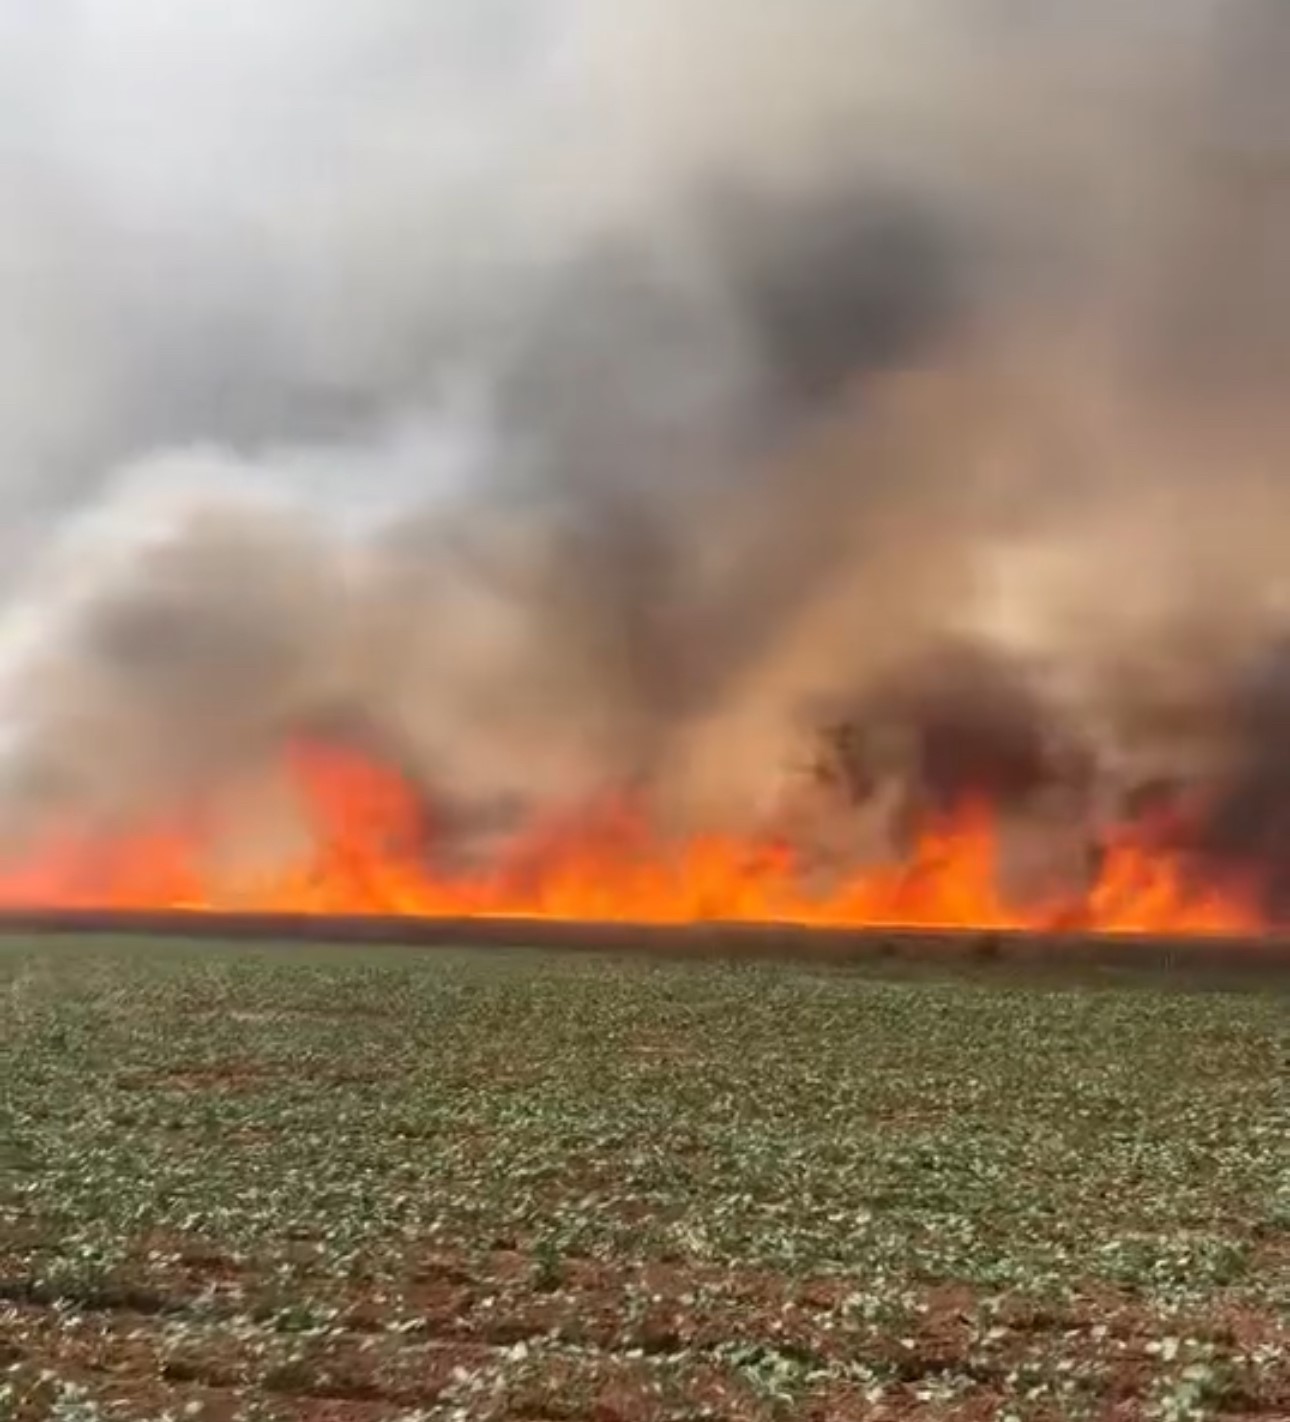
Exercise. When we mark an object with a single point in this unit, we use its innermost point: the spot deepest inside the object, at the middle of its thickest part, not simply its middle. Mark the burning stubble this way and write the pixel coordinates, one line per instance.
(580, 401)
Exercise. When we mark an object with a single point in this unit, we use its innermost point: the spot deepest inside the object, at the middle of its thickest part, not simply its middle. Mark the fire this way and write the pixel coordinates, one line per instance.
(372, 853)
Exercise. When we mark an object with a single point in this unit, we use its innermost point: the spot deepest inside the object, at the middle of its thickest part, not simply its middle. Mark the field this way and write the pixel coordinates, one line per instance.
(351, 1184)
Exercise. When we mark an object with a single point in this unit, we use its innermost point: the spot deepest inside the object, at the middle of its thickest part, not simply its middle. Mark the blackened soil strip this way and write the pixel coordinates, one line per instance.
(1259, 958)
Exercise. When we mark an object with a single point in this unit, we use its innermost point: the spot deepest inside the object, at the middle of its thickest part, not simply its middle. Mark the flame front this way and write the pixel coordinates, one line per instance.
(372, 853)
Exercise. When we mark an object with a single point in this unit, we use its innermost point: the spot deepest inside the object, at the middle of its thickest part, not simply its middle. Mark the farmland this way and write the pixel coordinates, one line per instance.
(309, 1182)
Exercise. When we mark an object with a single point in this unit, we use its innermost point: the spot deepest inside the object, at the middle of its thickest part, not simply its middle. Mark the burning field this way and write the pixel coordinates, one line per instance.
(794, 478)
(369, 849)
(858, 511)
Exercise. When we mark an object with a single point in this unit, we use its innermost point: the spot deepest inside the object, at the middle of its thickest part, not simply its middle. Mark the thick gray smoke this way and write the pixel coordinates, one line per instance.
(575, 394)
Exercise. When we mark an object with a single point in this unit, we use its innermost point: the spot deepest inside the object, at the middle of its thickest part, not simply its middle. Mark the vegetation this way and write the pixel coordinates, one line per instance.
(297, 1182)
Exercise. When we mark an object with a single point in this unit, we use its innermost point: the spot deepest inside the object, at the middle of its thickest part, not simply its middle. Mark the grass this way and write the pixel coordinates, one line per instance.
(244, 1183)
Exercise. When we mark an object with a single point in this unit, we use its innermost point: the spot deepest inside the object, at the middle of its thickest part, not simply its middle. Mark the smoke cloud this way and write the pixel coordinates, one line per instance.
(575, 396)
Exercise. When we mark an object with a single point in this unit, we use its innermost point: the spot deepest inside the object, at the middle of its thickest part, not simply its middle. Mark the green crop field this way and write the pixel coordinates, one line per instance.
(299, 1182)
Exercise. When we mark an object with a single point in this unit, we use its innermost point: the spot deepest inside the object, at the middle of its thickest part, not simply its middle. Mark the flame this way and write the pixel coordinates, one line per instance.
(372, 853)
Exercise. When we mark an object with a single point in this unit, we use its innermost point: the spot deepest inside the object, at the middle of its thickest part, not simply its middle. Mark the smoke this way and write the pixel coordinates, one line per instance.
(576, 395)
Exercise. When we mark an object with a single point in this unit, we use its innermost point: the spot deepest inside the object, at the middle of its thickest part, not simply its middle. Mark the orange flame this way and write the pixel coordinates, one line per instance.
(369, 857)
